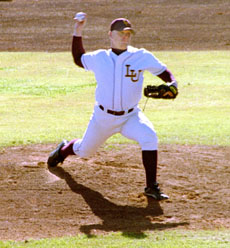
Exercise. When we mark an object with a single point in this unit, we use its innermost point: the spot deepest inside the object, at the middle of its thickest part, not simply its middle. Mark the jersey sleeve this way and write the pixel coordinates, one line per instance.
(90, 60)
(152, 64)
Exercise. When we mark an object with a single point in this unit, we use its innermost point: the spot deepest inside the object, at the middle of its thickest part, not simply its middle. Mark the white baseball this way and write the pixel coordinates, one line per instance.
(80, 16)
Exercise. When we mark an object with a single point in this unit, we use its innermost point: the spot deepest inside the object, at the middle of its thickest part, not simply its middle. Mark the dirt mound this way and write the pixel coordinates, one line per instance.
(104, 193)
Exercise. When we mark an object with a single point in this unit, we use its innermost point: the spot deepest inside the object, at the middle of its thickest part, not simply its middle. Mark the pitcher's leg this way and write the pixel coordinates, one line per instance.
(67, 150)
(140, 129)
(149, 159)
(94, 136)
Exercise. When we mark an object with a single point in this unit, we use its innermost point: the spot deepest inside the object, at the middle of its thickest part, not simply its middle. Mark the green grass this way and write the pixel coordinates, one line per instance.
(44, 97)
(166, 239)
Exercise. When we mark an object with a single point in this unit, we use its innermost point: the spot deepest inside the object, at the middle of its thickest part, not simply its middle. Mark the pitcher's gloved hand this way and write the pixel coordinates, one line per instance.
(163, 91)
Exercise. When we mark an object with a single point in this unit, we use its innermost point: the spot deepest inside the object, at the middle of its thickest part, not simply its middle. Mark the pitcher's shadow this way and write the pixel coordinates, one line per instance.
(130, 220)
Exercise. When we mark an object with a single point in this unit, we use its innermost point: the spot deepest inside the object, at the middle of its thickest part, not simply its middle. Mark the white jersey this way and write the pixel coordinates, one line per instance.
(120, 78)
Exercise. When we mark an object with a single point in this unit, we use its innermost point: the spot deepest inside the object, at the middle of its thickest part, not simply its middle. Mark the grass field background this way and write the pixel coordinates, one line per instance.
(44, 98)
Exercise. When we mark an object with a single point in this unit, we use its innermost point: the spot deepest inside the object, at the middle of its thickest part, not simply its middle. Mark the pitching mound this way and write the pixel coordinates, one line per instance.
(104, 194)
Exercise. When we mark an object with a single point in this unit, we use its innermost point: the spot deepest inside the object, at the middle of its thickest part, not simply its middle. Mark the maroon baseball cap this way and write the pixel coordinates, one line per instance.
(121, 24)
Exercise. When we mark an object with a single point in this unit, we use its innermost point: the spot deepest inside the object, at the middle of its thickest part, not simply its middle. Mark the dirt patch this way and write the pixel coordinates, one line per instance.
(105, 193)
(160, 24)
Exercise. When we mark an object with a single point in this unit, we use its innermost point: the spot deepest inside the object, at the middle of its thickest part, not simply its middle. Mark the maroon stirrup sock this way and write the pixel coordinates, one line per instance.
(149, 159)
(68, 149)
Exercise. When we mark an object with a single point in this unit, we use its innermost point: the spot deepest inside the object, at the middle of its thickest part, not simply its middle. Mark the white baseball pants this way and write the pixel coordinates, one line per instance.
(134, 126)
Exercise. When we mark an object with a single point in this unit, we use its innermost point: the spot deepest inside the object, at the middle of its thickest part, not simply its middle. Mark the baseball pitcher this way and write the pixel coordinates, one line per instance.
(119, 75)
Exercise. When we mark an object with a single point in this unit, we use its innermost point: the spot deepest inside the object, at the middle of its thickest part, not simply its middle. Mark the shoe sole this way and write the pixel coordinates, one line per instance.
(155, 198)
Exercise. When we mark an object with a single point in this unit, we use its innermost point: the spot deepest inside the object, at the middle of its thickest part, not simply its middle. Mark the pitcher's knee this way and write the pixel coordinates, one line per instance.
(149, 142)
(82, 152)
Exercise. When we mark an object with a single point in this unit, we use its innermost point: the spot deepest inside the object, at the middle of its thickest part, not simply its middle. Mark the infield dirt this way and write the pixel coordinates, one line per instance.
(160, 24)
(104, 193)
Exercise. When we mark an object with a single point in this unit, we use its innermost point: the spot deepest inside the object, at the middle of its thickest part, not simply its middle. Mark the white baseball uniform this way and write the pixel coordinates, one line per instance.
(119, 88)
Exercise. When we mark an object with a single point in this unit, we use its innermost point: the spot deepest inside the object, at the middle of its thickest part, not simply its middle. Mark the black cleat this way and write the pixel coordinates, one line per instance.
(55, 157)
(155, 193)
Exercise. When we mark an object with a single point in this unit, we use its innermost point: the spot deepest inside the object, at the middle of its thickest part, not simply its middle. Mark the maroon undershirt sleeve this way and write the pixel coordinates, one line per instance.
(167, 76)
(77, 50)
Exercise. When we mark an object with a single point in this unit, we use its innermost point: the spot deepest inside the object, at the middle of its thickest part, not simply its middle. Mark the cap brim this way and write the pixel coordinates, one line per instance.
(129, 29)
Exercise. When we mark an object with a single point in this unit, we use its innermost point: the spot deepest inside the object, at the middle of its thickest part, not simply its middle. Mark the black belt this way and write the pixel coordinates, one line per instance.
(112, 112)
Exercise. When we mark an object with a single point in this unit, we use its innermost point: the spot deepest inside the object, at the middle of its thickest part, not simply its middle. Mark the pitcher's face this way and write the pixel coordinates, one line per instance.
(120, 39)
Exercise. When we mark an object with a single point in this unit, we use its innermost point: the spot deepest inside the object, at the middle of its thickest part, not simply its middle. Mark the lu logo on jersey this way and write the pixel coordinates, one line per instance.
(132, 74)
